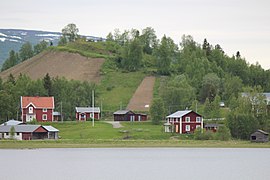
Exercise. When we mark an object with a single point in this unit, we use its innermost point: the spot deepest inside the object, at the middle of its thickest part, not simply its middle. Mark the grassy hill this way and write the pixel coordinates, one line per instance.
(84, 61)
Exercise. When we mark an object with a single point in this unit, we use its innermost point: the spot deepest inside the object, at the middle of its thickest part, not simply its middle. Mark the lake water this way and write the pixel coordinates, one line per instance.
(135, 164)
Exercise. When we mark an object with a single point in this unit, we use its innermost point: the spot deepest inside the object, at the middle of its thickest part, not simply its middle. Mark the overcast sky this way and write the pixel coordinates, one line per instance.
(237, 25)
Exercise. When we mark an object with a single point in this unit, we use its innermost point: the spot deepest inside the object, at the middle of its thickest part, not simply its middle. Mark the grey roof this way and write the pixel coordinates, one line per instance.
(211, 125)
(19, 128)
(179, 114)
(12, 122)
(87, 109)
(56, 113)
(261, 131)
(51, 129)
(119, 112)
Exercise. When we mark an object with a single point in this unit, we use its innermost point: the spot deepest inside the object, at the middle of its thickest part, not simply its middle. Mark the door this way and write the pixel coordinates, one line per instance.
(30, 118)
(176, 128)
(132, 118)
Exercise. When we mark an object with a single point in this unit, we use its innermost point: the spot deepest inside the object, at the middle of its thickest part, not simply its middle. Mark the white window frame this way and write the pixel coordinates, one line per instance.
(187, 128)
(44, 110)
(187, 119)
(44, 117)
(198, 119)
(31, 110)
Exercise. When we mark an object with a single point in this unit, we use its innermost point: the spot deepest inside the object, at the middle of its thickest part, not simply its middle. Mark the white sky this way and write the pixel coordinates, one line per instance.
(237, 25)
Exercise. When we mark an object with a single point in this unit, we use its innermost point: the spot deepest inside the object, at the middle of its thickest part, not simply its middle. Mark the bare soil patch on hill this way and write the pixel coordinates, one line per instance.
(143, 96)
(58, 64)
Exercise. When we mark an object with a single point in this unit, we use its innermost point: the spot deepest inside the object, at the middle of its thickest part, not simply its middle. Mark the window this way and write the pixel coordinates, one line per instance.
(7, 134)
(198, 119)
(30, 110)
(82, 115)
(44, 109)
(44, 117)
(187, 127)
(187, 119)
(18, 134)
(91, 115)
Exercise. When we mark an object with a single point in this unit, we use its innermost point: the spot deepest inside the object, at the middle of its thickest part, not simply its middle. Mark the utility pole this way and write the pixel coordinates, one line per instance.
(61, 111)
(93, 105)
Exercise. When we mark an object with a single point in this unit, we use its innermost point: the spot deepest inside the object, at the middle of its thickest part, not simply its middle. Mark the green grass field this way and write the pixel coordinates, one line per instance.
(136, 134)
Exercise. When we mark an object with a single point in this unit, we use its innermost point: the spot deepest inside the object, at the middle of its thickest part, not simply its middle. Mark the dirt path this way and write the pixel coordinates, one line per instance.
(115, 124)
(61, 64)
(142, 98)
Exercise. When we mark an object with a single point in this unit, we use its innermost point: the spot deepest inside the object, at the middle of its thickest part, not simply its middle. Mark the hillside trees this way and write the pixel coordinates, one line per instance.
(210, 87)
(177, 94)
(26, 51)
(38, 48)
(70, 93)
(12, 60)
(70, 32)
(164, 55)
(157, 112)
(132, 56)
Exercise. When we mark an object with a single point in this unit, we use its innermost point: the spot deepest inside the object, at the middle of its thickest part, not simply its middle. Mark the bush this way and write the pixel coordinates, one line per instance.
(200, 134)
(223, 134)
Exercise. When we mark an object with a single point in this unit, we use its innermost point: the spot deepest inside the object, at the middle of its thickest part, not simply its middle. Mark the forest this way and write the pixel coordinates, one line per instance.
(191, 75)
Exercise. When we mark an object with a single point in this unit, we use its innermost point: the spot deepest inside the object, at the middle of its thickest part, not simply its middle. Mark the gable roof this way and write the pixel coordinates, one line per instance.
(12, 122)
(87, 109)
(37, 102)
(122, 112)
(261, 131)
(19, 128)
(179, 114)
(51, 129)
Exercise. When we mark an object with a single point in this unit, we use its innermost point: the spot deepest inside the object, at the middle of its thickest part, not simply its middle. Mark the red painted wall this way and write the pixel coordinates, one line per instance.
(39, 113)
(87, 116)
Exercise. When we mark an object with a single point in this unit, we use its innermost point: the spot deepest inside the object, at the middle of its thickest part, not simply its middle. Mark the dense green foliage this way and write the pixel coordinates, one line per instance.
(68, 93)
(25, 52)
(190, 76)
(157, 111)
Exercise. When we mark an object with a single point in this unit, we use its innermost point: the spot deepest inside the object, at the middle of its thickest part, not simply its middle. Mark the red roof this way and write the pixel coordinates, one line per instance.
(38, 102)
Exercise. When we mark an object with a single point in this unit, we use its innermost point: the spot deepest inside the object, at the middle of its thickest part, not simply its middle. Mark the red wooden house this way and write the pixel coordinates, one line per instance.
(85, 113)
(127, 115)
(183, 122)
(39, 108)
(28, 132)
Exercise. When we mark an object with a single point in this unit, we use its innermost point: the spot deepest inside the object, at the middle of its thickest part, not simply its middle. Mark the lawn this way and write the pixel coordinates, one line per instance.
(136, 134)
(117, 88)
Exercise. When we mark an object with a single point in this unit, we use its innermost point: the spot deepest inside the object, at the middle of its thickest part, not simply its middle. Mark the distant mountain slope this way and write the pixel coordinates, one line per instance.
(15, 38)
(61, 64)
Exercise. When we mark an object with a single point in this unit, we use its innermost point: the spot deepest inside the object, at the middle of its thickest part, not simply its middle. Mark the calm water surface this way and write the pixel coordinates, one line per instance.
(135, 164)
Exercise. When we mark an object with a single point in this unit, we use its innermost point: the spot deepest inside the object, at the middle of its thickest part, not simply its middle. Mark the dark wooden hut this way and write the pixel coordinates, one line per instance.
(259, 136)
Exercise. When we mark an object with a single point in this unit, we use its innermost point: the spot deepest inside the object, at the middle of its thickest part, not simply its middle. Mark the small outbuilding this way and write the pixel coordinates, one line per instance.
(127, 115)
(259, 136)
(84, 113)
(211, 127)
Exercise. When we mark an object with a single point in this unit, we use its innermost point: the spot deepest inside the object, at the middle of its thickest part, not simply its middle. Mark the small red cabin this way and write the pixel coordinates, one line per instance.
(39, 108)
(85, 113)
(183, 122)
(127, 115)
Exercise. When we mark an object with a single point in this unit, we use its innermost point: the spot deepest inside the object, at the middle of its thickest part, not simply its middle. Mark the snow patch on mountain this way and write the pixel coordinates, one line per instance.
(46, 35)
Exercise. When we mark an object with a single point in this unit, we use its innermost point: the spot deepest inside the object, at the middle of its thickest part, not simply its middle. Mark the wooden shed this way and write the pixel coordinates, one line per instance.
(127, 115)
(259, 136)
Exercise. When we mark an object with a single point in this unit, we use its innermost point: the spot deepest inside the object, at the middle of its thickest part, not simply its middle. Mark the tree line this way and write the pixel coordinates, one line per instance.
(67, 94)
(26, 52)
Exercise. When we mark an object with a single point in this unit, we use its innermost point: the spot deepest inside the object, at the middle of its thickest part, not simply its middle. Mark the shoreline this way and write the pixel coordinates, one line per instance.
(85, 143)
